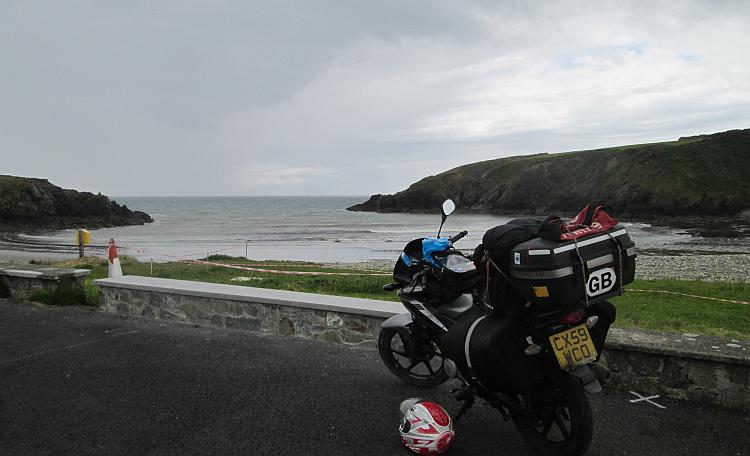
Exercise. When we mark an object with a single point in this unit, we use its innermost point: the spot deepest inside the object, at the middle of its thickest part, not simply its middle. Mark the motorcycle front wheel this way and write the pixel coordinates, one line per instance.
(416, 361)
(558, 421)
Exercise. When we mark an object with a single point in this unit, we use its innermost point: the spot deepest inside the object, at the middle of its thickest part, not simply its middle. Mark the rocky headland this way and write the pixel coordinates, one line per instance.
(693, 178)
(31, 204)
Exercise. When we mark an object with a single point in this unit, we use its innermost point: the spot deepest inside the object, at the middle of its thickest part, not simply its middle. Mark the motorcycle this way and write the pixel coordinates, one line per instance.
(515, 363)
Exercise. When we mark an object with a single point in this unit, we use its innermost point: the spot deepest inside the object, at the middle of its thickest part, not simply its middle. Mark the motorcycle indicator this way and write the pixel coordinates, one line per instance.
(573, 347)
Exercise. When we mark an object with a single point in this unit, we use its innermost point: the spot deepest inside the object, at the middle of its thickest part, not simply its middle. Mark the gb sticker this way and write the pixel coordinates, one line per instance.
(517, 258)
(600, 282)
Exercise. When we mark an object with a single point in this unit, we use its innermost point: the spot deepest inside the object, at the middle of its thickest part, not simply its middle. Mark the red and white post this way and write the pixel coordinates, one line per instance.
(114, 269)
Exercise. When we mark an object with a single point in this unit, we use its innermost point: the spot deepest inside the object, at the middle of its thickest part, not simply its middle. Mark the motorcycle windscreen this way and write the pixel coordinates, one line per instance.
(403, 272)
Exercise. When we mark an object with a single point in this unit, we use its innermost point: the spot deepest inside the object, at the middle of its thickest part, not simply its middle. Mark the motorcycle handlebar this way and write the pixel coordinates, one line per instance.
(457, 237)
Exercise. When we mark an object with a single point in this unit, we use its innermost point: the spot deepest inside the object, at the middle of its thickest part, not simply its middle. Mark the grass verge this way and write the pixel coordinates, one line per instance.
(64, 295)
(634, 310)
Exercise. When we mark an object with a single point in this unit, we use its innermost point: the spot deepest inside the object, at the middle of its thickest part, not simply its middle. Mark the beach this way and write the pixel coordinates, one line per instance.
(709, 267)
(321, 230)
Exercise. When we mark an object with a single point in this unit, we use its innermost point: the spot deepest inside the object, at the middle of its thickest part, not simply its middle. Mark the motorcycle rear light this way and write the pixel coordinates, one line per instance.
(533, 349)
(573, 317)
(591, 321)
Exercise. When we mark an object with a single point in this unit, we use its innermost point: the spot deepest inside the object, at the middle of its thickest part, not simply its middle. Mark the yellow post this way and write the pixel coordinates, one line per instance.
(83, 237)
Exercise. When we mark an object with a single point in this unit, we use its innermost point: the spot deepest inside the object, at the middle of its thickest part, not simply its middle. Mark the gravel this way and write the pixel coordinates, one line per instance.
(711, 268)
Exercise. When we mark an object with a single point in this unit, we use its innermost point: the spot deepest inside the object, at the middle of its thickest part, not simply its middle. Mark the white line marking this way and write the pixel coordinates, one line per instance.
(647, 399)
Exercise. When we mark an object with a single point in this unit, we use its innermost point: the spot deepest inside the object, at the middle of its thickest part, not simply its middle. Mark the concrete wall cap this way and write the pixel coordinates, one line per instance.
(48, 273)
(21, 273)
(359, 306)
(688, 345)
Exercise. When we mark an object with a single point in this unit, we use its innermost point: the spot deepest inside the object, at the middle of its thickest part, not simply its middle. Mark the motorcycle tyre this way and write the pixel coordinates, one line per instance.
(574, 398)
(386, 354)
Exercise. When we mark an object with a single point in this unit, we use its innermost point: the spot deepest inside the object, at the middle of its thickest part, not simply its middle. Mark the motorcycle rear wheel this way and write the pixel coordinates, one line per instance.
(559, 421)
(424, 369)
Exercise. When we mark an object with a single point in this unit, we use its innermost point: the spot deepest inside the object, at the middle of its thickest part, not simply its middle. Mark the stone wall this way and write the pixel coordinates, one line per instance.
(20, 282)
(332, 326)
(708, 370)
(687, 367)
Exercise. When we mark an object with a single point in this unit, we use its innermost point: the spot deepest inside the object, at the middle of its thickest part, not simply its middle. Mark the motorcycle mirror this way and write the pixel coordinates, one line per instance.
(448, 207)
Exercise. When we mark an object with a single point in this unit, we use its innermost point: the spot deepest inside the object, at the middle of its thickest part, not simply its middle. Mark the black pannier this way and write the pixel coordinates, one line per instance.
(496, 348)
(588, 269)
(495, 352)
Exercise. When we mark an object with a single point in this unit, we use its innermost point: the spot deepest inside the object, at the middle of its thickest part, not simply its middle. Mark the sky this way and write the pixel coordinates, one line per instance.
(351, 97)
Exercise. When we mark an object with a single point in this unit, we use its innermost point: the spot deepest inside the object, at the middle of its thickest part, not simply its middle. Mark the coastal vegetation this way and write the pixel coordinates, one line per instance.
(642, 309)
(699, 176)
(36, 204)
(66, 295)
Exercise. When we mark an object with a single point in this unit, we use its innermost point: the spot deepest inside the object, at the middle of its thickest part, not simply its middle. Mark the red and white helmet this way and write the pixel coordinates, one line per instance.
(426, 428)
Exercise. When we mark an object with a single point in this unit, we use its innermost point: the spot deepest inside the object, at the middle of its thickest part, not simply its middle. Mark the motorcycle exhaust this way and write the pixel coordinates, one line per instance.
(603, 374)
(588, 379)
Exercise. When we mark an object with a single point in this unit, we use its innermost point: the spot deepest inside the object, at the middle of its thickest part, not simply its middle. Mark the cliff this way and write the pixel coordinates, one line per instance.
(693, 176)
(37, 204)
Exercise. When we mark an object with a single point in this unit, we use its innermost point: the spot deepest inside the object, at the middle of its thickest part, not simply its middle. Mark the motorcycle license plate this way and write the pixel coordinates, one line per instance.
(573, 347)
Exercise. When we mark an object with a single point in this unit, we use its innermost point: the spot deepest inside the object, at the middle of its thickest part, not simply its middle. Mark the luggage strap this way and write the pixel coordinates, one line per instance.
(619, 259)
(488, 308)
(583, 269)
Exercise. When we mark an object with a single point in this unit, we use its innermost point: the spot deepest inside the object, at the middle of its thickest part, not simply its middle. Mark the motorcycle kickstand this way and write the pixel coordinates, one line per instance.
(466, 395)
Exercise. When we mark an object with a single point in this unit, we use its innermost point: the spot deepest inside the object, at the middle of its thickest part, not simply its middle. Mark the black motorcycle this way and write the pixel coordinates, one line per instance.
(533, 363)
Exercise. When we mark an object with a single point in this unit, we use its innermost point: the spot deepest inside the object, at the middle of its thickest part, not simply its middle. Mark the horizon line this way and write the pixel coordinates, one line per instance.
(239, 196)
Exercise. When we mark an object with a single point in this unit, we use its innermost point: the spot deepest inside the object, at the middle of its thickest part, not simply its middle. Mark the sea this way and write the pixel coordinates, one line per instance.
(317, 229)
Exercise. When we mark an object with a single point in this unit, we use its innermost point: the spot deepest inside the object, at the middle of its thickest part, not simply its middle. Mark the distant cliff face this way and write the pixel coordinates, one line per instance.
(695, 176)
(36, 203)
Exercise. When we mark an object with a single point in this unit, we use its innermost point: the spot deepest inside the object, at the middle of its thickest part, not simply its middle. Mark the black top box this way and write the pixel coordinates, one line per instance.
(589, 269)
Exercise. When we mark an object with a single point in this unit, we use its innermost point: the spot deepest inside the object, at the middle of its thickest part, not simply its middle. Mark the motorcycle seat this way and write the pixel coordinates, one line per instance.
(459, 308)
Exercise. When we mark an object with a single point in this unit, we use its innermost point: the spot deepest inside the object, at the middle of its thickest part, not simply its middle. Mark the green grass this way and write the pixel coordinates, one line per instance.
(681, 314)
(656, 311)
(64, 295)
(355, 286)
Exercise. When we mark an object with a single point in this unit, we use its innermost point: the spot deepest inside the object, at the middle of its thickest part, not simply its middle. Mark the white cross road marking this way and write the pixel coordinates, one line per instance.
(647, 399)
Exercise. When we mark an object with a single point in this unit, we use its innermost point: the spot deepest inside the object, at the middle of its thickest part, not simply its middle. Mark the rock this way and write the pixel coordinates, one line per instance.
(36, 203)
(697, 176)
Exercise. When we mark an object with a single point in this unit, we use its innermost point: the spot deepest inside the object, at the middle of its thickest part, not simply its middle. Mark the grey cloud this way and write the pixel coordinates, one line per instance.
(350, 97)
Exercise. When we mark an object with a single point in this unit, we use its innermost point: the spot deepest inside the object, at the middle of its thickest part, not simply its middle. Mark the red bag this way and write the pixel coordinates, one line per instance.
(588, 221)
